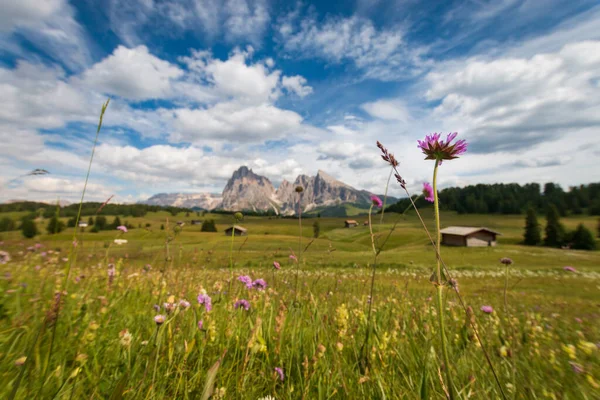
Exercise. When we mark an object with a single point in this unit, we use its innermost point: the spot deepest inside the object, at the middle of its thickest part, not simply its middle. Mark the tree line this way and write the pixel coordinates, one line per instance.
(512, 198)
(88, 208)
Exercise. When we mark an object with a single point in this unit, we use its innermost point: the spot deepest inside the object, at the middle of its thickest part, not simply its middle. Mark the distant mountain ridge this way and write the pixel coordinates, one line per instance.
(246, 190)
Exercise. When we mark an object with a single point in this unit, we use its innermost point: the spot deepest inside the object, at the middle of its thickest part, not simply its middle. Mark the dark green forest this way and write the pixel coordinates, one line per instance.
(512, 198)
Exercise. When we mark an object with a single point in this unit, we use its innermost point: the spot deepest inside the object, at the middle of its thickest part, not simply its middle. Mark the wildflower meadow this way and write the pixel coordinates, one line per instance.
(376, 312)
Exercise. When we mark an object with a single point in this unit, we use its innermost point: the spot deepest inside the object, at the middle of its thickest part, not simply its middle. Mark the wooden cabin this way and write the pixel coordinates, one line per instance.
(237, 231)
(468, 236)
(350, 223)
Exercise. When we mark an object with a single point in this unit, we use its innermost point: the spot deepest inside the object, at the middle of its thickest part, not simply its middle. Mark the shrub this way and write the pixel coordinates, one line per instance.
(100, 223)
(7, 224)
(209, 226)
(316, 229)
(71, 222)
(28, 228)
(583, 239)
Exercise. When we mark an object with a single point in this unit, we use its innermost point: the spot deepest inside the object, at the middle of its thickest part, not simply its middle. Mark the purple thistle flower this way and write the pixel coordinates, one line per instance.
(276, 265)
(200, 324)
(436, 149)
(376, 201)
(506, 261)
(122, 228)
(428, 192)
(259, 284)
(243, 304)
(245, 279)
(205, 299)
(280, 373)
(569, 269)
(487, 309)
(156, 307)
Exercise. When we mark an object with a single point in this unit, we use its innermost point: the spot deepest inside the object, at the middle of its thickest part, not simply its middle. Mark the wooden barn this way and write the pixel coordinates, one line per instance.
(237, 231)
(468, 236)
(350, 223)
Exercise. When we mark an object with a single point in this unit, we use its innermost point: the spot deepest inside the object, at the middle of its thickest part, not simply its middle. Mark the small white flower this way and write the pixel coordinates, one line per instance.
(120, 241)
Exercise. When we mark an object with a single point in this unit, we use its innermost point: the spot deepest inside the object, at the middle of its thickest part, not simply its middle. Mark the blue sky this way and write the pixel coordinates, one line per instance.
(200, 87)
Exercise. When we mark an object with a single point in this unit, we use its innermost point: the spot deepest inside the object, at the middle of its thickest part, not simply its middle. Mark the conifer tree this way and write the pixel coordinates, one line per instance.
(555, 232)
(532, 229)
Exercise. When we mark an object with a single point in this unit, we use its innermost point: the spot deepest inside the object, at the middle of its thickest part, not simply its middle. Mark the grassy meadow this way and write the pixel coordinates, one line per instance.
(80, 321)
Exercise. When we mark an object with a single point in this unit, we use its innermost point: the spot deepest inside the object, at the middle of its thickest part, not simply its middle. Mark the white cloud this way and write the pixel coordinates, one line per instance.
(36, 96)
(26, 12)
(379, 53)
(392, 110)
(234, 122)
(513, 103)
(133, 74)
(296, 84)
(50, 25)
(234, 21)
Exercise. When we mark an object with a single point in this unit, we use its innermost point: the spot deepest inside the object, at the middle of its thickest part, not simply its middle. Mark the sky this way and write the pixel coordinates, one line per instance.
(198, 88)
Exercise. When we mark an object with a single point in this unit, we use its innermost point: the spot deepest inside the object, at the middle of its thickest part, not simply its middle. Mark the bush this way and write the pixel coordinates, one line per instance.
(55, 225)
(90, 221)
(100, 223)
(209, 226)
(71, 222)
(7, 224)
(162, 227)
(116, 222)
(583, 239)
(28, 228)
(316, 229)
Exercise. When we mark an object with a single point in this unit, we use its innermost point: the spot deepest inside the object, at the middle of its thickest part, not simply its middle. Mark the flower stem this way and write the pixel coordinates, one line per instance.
(440, 286)
(231, 259)
(385, 195)
(505, 288)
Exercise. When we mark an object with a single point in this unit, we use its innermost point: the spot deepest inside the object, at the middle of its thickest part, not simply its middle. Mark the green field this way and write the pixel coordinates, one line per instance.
(105, 344)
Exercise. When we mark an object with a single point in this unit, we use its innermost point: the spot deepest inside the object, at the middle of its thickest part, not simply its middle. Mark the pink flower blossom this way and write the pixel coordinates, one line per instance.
(487, 309)
(159, 319)
(259, 284)
(436, 149)
(205, 299)
(376, 201)
(428, 192)
(245, 279)
(243, 304)
(293, 258)
(276, 265)
(569, 269)
(280, 373)
(122, 228)
(200, 324)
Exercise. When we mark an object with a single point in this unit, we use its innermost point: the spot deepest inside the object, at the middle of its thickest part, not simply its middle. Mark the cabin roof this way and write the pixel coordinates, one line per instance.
(466, 230)
(351, 221)
(237, 227)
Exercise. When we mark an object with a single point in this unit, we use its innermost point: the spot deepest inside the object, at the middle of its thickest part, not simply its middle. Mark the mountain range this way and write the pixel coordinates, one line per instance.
(246, 190)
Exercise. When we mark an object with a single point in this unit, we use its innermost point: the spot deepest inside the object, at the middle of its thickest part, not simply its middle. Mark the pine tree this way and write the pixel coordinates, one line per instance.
(555, 232)
(90, 221)
(583, 239)
(28, 228)
(55, 225)
(71, 222)
(532, 229)
(316, 229)
(598, 233)
(116, 222)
